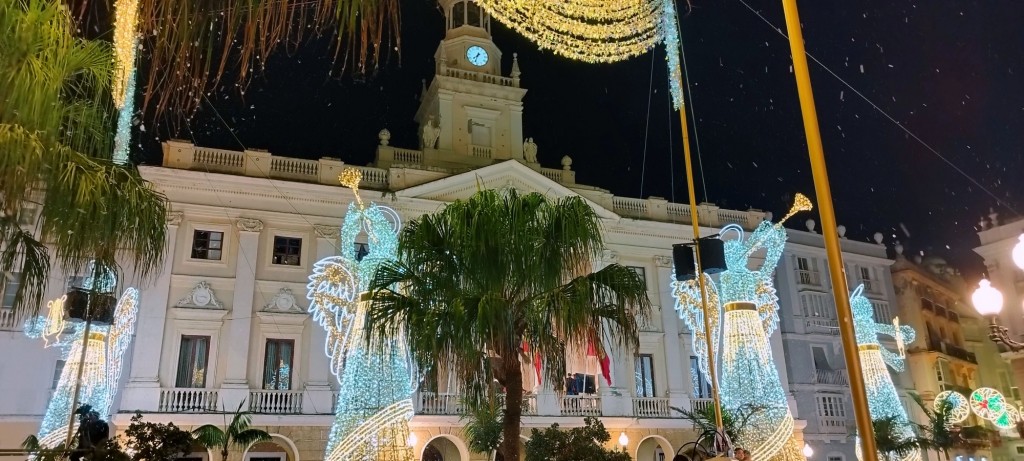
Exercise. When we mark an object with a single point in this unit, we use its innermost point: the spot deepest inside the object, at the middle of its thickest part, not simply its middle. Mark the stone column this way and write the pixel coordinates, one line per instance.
(239, 325)
(446, 120)
(675, 362)
(143, 389)
(515, 137)
(319, 397)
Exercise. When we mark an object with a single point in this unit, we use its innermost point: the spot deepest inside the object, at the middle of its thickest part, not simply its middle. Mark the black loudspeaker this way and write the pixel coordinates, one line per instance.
(684, 262)
(712, 255)
(101, 310)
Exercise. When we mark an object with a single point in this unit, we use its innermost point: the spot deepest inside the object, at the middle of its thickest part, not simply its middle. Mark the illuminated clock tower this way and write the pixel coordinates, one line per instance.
(476, 111)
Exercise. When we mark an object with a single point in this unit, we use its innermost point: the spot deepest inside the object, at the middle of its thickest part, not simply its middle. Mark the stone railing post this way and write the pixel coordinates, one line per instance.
(657, 208)
(178, 154)
(257, 163)
(330, 169)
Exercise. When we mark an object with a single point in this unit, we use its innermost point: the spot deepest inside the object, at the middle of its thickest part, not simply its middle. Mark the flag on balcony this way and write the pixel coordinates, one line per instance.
(603, 360)
(536, 362)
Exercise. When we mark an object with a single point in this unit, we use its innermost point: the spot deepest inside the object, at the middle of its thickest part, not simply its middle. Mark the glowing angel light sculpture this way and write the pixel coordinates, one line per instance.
(101, 369)
(374, 403)
(883, 401)
(748, 376)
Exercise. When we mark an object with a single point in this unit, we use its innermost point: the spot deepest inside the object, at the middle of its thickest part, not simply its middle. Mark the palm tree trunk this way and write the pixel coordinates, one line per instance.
(224, 454)
(513, 407)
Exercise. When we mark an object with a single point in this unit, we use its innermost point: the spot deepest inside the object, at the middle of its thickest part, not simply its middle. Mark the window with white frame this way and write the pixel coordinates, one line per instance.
(277, 364)
(193, 357)
(208, 245)
(820, 359)
(817, 305)
(287, 251)
(864, 274)
(831, 406)
(881, 312)
(807, 271)
(644, 369)
(58, 369)
(943, 375)
(11, 284)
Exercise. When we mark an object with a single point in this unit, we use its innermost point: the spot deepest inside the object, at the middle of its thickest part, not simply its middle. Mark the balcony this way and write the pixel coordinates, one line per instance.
(952, 351)
(187, 400)
(479, 151)
(808, 277)
(9, 321)
(651, 407)
(831, 377)
(580, 405)
(701, 405)
(275, 402)
(833, 425)
(431, 403)
(822, 326)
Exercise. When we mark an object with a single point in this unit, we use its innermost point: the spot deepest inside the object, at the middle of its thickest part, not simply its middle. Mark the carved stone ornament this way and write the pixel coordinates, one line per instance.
(201, 296)
(609, 257)
(174, 218)
(663, 261)
(283, 301)
(327, 232)
(249, 225)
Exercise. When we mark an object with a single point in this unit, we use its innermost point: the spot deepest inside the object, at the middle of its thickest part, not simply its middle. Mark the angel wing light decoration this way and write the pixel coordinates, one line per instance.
(374, 404)
(743, 309)
(883, 401)
(101, 369)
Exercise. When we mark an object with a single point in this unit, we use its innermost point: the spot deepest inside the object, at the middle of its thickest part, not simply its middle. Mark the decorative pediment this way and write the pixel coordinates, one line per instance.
(201, 297)
(283, 301)
(509, 173)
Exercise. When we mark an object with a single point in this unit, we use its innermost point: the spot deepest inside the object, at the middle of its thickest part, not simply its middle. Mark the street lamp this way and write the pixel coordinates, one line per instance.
(988, 301)
(808, 451)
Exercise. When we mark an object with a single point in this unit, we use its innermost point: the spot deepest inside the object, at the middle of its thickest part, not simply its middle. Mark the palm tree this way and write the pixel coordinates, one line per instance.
(733, 421)
(938, 432)
(237, 432)
(891, 440)
(56, 139)
(485, 279)
(483, 424)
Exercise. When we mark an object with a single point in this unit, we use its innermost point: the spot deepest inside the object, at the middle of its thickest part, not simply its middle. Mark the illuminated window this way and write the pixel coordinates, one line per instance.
(644, 375)
(277, 364)
(193, 356)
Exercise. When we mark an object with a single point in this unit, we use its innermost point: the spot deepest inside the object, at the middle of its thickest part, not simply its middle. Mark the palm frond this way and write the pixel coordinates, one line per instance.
(19, 249)
(248, 437)
(210, 436)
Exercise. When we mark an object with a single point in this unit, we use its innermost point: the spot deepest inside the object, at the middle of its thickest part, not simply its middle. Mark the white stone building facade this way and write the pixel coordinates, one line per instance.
(225, 322)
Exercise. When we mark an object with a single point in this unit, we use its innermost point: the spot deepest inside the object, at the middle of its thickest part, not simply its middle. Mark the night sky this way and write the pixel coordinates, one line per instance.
(950, 72)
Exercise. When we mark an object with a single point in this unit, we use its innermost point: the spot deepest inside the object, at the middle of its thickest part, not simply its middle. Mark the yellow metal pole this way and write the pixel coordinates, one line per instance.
(836, 269)
(700, 268)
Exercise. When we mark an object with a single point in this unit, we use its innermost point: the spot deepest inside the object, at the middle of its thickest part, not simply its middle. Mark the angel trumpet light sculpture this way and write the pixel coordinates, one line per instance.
(743, 308)
(101, 370)
(883, 401)
(374, 403)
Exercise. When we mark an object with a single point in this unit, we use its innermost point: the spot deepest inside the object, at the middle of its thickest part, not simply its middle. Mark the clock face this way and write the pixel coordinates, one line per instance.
(477, 56)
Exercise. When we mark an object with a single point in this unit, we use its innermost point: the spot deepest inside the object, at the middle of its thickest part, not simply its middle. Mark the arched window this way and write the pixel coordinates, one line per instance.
(473, 14)
(458, 14)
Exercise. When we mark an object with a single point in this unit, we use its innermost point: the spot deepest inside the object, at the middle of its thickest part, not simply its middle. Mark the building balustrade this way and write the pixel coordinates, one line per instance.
(651, 407)
(831, 377)
(834, 425)
(187, 400)
(275, 402)
(952, 351)
(580, 405)
(431, 403)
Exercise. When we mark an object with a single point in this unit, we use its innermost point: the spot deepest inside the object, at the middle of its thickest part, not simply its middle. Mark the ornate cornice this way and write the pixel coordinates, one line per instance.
(174, 218)
(663, 261)
(327, 232)
(249, 225)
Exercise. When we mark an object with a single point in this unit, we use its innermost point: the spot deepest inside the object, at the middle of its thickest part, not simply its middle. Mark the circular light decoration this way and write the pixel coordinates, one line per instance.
(584, 30)
(1008, 419)
(960, 409)
(989, 404)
